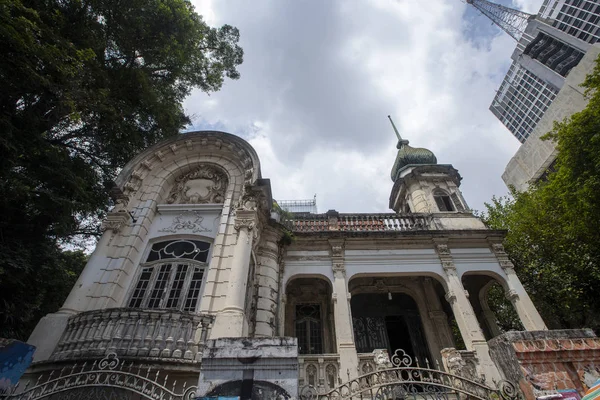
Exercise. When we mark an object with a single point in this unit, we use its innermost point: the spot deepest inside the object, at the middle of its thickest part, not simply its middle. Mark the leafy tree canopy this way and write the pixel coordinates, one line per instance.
(86, 84)
(554, 227)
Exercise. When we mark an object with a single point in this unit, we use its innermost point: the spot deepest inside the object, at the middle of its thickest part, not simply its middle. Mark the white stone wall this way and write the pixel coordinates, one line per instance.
(145, 183)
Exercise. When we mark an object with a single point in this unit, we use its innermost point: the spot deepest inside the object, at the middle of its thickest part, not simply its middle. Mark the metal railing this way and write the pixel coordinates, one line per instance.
(130, 332)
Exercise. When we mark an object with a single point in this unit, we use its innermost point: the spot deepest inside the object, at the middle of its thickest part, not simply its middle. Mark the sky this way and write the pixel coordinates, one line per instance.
(320, 77)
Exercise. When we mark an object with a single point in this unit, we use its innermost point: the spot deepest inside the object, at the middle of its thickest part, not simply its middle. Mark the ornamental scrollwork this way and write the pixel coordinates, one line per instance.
(204, 185)
(182, 223)
(248, 223)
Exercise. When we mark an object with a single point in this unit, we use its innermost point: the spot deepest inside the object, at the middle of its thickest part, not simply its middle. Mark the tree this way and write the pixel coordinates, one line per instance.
(86, 84)
(553, 228)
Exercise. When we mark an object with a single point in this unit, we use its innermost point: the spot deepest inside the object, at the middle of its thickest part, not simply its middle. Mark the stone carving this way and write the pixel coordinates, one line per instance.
(443, 249)
(498, 248)
(381, 359)
(193, 223)
(204, 185)
(512, 295)
(456, 364)
(337, 251)
(248, 223)
(339, 269)
(448, 265)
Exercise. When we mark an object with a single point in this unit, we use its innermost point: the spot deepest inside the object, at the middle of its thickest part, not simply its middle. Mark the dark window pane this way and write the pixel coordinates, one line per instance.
(159, 287)
(140, 289)
(175, 292)
(194, 290)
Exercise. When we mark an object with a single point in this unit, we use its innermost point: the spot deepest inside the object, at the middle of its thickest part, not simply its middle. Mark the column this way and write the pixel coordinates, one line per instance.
(268, 276)
(343, 318)
(229, 322)
(465, 316)
(528, 314)
(437, 316)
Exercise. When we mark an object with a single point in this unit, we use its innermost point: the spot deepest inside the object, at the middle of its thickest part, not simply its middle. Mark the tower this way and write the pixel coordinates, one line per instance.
(421, 185)
(508, 19)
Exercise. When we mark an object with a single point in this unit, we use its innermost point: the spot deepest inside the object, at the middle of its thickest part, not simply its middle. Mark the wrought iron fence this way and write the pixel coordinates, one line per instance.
(402, 380)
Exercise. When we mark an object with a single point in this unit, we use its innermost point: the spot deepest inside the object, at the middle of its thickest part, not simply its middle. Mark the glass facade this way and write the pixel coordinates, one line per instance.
(522, 100)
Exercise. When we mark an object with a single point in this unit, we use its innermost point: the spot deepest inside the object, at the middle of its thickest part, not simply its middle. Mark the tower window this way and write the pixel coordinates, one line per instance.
(172, 276)
(443, 201)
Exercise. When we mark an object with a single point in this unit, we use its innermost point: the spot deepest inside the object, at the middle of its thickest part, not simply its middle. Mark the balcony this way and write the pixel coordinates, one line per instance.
(153, 334)
(359, 222)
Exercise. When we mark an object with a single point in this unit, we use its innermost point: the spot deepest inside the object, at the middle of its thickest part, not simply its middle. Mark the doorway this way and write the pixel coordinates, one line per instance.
(388, 321)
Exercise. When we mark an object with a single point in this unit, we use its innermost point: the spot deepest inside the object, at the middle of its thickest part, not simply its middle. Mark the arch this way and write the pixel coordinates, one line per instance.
(194, 143)
(428, 274)
(301, 276)
(309, 314)
(492, 321)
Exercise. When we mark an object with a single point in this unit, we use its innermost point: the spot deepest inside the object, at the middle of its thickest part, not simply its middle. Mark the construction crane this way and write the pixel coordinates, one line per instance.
(508, 19)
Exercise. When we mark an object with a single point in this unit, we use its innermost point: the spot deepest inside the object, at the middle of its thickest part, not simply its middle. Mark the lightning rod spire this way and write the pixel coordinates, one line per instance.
(395, 129)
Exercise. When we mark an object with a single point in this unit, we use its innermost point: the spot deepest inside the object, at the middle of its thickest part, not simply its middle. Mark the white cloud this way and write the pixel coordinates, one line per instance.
(319, 79)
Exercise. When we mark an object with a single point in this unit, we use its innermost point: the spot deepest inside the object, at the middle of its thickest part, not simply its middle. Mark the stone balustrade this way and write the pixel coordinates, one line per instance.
(359, 222)
(129, 332)
(319, 370)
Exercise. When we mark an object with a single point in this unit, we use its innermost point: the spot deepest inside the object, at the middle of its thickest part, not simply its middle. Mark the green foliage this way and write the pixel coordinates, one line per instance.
(553, 228)
(86, 84)
(506, 315)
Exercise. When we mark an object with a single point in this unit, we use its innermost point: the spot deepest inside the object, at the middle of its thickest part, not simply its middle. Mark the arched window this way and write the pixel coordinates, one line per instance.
(172, 276)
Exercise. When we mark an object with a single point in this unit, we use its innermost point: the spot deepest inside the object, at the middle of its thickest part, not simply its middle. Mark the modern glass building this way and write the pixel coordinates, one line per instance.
(553, 43)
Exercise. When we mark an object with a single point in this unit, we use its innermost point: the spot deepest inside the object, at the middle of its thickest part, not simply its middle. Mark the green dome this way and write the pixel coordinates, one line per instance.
(408, 155)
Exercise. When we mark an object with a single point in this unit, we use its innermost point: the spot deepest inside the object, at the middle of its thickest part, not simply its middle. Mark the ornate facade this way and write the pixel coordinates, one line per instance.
(196, 265)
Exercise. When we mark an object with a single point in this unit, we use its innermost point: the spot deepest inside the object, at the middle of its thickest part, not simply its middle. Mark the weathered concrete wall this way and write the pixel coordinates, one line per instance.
(548, 362)
(257, 368)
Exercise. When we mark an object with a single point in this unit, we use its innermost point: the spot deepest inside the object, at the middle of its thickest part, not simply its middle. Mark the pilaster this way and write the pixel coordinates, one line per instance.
(229, 321)
(268, 274)
(342, 313)
(528, 314)
(464, 314)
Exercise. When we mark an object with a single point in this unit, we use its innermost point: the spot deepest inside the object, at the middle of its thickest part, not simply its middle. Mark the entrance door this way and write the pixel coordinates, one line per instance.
(384, 323)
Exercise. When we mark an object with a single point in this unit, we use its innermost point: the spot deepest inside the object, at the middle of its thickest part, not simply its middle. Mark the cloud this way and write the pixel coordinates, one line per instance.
(319, 79)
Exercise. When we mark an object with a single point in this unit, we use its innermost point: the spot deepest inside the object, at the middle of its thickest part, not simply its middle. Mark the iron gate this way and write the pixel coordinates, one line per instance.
(403, 381)
(107, 379)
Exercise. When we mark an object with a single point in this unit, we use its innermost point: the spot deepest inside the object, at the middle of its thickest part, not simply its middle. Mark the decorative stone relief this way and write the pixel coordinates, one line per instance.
(204, 185)
(443, 249)
(512, 295)
(498, 248)
(337, 251)
(193, 223)
(339, 270)
(457, 365)
(248, 223)
(382, 359)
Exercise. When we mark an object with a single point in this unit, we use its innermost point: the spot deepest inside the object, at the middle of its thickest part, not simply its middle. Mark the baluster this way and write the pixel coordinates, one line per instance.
(130, 320)
(97, 339)
(108, 331)
(138, 331)
(158, 341)
(172, 324)
(76, 340)
(117, 333)
(180, 333)
(189, 355)
(149, 332)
